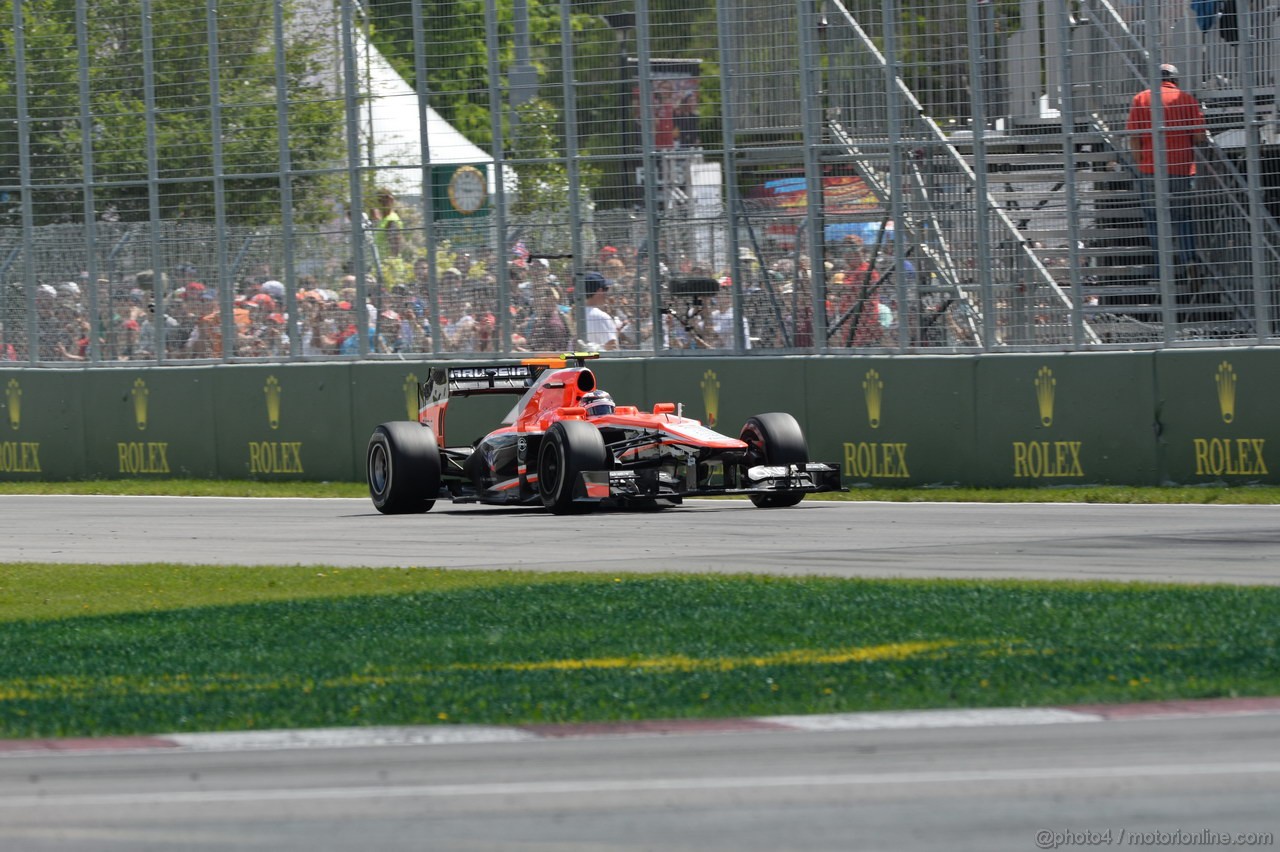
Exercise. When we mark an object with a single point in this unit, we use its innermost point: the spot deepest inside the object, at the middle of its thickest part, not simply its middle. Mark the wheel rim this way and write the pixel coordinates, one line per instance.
(755, 441)
(549, 472)
(379, 469)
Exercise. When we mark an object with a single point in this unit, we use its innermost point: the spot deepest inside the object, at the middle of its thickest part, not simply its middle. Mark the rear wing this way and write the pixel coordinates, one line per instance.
(445, 383)
(487, 379)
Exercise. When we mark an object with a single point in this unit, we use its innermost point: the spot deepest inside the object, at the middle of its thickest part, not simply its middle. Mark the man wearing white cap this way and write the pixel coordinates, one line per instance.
(1182, 131)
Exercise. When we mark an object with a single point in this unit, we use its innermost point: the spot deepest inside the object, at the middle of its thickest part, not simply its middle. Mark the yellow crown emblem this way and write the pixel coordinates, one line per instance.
(411, 395)
(1045, 384)
(13, 397)
(272, 391)
(1226, 382)
(711, 396)
(140, 394)
(873, 392)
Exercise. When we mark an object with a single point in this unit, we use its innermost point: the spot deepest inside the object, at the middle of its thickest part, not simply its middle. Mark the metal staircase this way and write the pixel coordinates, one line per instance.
(949, 197)
(1063, 219)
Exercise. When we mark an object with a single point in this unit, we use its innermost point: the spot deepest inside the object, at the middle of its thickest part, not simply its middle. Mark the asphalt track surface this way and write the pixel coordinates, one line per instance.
(1219, 544)
(1138, 779)
(991, 788)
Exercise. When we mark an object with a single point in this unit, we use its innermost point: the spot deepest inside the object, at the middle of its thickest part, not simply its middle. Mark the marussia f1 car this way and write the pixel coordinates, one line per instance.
(567, 447)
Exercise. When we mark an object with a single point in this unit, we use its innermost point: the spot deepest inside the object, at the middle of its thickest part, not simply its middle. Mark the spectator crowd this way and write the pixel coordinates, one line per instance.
(329, 315)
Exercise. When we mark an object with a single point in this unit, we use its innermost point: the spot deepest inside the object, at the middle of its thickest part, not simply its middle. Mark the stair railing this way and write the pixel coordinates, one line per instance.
(1007, 231)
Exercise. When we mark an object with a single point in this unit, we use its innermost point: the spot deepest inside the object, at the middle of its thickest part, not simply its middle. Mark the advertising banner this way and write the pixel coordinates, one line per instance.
(42, 430)
(150, 423)
(673, 107)
(894, 421)
(724, 392)
(284, 422)
(1131, 418)
(1066, 419)
(1219, 416)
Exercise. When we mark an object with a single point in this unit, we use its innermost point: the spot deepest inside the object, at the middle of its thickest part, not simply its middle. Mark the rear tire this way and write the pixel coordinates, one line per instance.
(403, 468)
(776, 439)
(569, 448)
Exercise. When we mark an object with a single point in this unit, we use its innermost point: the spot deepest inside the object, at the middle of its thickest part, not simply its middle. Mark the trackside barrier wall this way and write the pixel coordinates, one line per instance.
(1134, 418)
(1219, 415)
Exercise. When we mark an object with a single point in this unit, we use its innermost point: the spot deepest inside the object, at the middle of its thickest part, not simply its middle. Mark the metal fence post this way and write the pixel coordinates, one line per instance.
(1066, 112)
(1262, 291)
(501, 250)
(727, 44)
(355, 208)
(428, 180)
(907, 299)
(286, 182)
(648, 155)
(96, 332)
(572, 165)
(160, 326)
(811, 120)
(24, 179)
(978, 127)
(226, 286)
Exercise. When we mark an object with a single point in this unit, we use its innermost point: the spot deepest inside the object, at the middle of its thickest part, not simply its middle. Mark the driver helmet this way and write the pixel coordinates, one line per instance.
(597, 402)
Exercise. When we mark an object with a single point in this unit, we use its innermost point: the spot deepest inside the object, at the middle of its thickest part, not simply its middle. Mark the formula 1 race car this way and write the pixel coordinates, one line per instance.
(567, 447)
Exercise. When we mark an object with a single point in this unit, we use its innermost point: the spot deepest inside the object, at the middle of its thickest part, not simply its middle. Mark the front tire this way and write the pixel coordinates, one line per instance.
(776, 439)
(403, 468)
(568, 448)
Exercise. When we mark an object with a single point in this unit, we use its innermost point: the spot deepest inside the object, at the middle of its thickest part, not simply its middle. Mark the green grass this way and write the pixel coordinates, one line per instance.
(89, 650)
(191, 488)
(1194, 494)
(154, 648)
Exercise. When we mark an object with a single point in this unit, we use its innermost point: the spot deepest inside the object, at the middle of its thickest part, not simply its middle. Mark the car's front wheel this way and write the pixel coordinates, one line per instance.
(403, 465)
(569, 448)
(776, 439)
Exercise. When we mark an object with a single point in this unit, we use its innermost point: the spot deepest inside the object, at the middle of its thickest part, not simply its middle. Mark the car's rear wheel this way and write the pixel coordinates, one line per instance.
(568, 448)
(776, 439)
(403, 466)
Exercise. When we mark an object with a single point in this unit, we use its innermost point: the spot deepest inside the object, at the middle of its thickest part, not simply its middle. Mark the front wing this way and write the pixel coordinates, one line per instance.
(647, 484)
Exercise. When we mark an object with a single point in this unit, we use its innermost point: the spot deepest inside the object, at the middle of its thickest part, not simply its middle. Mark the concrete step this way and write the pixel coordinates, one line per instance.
(1050, 175)
(1093, 250)
(1090, 235)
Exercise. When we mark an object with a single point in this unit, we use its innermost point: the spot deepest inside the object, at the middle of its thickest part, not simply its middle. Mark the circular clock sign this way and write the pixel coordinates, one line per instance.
(467, 189)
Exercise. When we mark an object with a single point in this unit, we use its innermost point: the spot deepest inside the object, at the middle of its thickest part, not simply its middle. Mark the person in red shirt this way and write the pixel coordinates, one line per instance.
(1182, 131)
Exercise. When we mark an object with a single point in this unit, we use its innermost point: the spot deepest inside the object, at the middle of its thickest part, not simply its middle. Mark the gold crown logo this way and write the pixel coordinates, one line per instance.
(140, 394)
(1226, 382)
(13, 396)
(873, 391)
(1045, 384)
(272, 390)
(411, 395)
(711, 395)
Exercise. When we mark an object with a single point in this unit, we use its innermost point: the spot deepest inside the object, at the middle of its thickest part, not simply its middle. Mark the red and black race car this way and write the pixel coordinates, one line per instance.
(566, 446)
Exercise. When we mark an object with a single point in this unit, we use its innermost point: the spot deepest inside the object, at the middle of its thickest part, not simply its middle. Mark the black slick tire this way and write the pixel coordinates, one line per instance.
(403, 467)
(776, 439)
(568, 448)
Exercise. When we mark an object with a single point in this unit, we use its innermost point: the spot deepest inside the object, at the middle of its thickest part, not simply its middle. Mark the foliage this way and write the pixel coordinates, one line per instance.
(179, 101)
(544, 175)
(455, 43)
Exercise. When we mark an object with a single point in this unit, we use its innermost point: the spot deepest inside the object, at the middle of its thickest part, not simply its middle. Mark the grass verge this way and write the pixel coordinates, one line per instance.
(1193, 494)
(151, 648)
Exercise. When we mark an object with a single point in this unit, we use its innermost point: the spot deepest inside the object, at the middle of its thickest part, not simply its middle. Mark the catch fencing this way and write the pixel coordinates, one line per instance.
(219, 181)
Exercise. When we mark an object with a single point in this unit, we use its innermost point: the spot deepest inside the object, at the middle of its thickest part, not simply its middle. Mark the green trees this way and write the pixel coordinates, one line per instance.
(175, 115)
